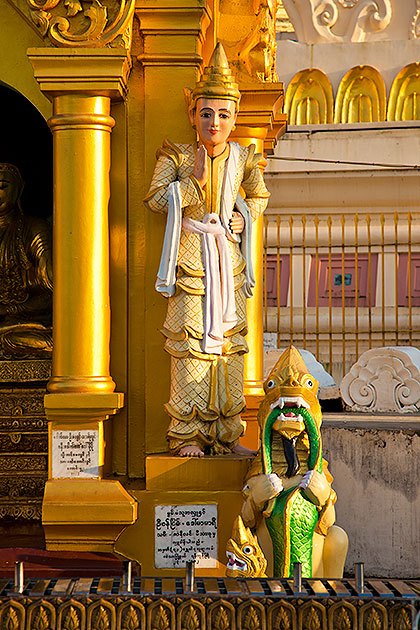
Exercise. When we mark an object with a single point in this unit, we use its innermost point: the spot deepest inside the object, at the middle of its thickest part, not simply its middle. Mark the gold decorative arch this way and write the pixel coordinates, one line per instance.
(309, 98)
(404, 98)
(361, 96)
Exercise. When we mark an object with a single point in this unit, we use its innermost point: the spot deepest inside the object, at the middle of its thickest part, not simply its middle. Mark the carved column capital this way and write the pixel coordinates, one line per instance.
(173, 30)
(90, 71)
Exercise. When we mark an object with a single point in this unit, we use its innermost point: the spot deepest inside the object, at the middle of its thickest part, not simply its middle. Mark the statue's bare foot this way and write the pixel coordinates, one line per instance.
(190, 451)
(242, 450)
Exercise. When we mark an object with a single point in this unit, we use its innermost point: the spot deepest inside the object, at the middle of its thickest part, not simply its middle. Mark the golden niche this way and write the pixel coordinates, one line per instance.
(309, 98)
(25, 275)
(361, 97)
(404, 97)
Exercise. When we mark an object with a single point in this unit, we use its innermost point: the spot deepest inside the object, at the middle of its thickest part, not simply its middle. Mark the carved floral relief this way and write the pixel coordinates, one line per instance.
(84, 23)
(318, 21)
(384, 380)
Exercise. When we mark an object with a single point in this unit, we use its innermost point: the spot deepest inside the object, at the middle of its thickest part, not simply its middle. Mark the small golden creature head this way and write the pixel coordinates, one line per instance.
(245, 557)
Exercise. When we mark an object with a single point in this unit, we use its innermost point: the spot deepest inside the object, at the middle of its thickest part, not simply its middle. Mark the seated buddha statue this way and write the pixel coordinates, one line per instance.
(25, 275)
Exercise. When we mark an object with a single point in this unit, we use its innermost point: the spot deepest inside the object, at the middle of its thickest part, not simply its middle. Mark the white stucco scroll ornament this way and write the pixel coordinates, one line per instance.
(384, 380)
(318, 21)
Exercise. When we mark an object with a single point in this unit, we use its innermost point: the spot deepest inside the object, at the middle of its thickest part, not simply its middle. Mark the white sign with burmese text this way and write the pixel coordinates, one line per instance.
(75, 454)
(184, 533)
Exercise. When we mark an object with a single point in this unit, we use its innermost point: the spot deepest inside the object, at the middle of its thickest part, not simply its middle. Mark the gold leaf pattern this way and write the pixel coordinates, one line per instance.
(160, 621)
(131, 620)
(342, 620)
(252, 620)
(221, 619)
(312, 620)
(71, 621)
(11, 620)
(41, 620)
(283, 621)
(191, 620)
(101, 621)
(374, 621)
(402, 620)
(73, 7)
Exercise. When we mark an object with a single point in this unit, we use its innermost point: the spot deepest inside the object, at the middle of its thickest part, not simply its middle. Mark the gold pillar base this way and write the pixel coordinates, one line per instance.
(85, 514)
(185, 481)
(76, 407)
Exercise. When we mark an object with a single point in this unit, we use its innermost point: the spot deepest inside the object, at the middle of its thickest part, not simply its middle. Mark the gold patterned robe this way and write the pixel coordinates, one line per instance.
(25, 286)
(206, 396)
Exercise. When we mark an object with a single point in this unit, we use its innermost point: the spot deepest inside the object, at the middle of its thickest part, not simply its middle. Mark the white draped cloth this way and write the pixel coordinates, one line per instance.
(220, 313)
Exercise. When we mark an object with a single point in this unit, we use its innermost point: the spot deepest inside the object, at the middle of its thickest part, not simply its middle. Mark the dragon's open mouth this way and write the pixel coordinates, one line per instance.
(290, 401)
(234, 563)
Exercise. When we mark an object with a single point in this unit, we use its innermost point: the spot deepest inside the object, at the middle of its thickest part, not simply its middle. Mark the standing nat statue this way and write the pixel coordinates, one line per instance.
(205, 270)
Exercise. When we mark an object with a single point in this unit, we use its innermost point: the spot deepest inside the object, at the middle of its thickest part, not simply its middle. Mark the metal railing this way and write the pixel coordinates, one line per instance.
(340, 284)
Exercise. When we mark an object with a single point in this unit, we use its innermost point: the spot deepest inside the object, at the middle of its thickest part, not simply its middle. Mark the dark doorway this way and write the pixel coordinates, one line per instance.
(26, 142)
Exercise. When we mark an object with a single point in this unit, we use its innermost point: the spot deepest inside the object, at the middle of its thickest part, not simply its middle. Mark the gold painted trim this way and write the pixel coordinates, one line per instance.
(252, 160)
(170, 150)
(189, 289)
(152, 192)
(169, 59)
(176, 336)
(200, 191)
(191, 272)
(99, 122)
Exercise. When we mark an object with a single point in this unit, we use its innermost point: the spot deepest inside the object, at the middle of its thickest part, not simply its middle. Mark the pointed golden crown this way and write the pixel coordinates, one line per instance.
(217, 80)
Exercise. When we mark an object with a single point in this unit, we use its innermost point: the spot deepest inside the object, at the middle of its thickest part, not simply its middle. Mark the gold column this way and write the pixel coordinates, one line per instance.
(81, 127)
(82, 513)
(260, 122)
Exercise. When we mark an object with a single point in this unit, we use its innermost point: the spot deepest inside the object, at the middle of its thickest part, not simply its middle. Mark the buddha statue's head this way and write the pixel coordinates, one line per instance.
(11, 185)
(215, 101)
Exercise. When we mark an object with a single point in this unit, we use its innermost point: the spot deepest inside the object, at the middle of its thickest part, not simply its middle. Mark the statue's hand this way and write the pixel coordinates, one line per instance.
(264, 487)
(315, 487)
(237, 223)
(200, 171)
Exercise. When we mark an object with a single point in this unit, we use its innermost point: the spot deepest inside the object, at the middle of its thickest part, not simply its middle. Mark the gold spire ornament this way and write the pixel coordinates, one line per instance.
(217, 80)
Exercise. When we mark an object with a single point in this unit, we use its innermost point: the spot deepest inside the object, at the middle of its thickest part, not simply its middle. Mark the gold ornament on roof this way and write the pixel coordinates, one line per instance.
(217, 80)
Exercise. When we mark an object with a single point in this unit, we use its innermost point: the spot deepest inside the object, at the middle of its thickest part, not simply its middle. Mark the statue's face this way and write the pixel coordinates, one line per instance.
(214, 119)
(8, 192)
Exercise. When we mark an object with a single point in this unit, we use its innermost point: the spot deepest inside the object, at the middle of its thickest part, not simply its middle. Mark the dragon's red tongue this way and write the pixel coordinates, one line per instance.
(290, 414)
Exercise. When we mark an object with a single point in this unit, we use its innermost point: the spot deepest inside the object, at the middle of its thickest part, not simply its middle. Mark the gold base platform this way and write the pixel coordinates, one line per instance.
(184, 481)
(91, 525)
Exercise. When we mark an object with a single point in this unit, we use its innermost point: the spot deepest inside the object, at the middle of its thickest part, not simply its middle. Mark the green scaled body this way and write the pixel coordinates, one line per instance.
(293, 519)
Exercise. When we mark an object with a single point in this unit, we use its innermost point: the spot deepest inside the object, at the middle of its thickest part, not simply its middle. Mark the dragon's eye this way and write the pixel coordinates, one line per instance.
(248, 550)
(308, 381)
(270, 384)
